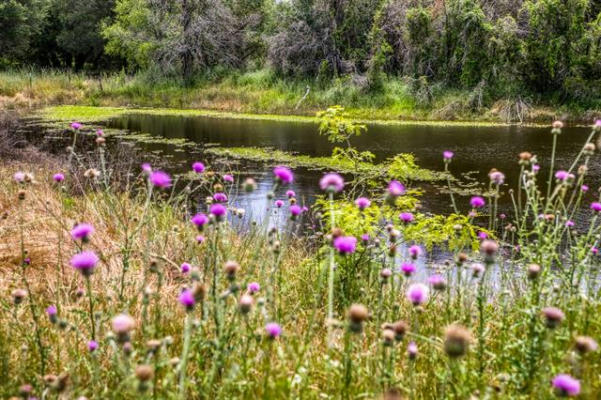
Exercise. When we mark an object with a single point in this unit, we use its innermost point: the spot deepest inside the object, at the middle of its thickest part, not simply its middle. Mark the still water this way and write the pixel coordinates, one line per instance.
(477, 149)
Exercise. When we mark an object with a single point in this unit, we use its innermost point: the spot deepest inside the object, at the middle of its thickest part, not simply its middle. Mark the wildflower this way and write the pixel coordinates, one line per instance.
(51, 311)
(553, 316)
(146, 168)
(199, 220)
(249, 185)
(406, 217)
(408, 269)
(186, 299)
(477, 269)
(245, 303)
(584, 188)
(396, 189)
(160, 179)
(345, 244)
(331, 183)
(533, 271)
(447, 155)
(566, 386)
(417, 293)
(85, 262)
(283, 174)
(477, 202)
(198, 167)
(99, 132)
(19, 177)
(122, 325)
(563, 176)
(290, 194)
(200, 239)
(388, 336)
(415, 251)
(220, 197)
(365, 238)
(231, 268)
(82, 232)
(400, 328)
(218, 210)
(279, 203)
(457, 340)
(92, 346)
(18, 296)
(525, 157)
(489, 248)
(482, 235)
(496, 177)
(569, 223)
(185, 268)
(412, 350)
(597, 126)
(58, 178)
(228, 178)
(357, 314)
(253, 287)
(295, 210)
(362, 203)
(585, 344)
(535, 168)
(385, 273)
(76, 125)
(596, 206)
(273, 330)
(437, 282)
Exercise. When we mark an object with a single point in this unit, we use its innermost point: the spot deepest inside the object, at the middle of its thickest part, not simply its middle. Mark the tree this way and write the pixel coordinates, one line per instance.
(20, 21)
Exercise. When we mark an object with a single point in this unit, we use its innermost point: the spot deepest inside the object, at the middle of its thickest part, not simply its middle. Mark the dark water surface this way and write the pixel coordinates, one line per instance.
(477, 149)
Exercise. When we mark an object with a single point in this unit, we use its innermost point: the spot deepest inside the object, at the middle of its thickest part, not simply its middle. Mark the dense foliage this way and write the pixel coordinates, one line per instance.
(517, 50)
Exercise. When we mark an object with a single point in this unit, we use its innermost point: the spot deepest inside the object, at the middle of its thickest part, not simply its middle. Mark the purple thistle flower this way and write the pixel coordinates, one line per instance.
(362, 203)
(415, 251)
(594, 250)
(253, 287)
(279, 203)
(273, 330)
(406, 217)
(482, 235)
(92, 346)
(447, 155)
(569, 224)
(562, 175)
(566, 386)
(365, 237)
(51, 310)
(584, 188)
(186, 298)
(412, 350)
(19, 177)
(200, 239)
(185, 268)
(283, 174)
(497, 177)
(417, 293)
(396, 189)
(477, 202)
(198, 167)
(99, 133)
(295, 210)
(218, 210)
(332, 182)
(146, 168)
(199, 220)
(408, 269)
(160, 179)
(76, 125)
(58, 177)
(220, 197)
(535, 168)
(228, 178)
(85, 262)
(82, 232)
(437, 282)
(596, 206)
(290, 194)
(345, 244)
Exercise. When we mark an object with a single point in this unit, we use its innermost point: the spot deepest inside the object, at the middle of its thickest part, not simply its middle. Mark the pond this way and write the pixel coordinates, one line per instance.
(477, 148)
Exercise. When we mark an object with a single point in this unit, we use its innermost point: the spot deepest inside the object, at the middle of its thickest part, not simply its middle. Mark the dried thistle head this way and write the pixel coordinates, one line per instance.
(457, 340)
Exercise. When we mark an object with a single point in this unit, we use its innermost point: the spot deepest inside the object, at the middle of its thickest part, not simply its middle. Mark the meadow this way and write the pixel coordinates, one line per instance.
(121, 284)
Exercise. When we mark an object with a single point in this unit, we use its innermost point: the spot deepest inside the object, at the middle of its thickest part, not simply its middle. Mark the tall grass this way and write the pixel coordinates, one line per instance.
(267, 312)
